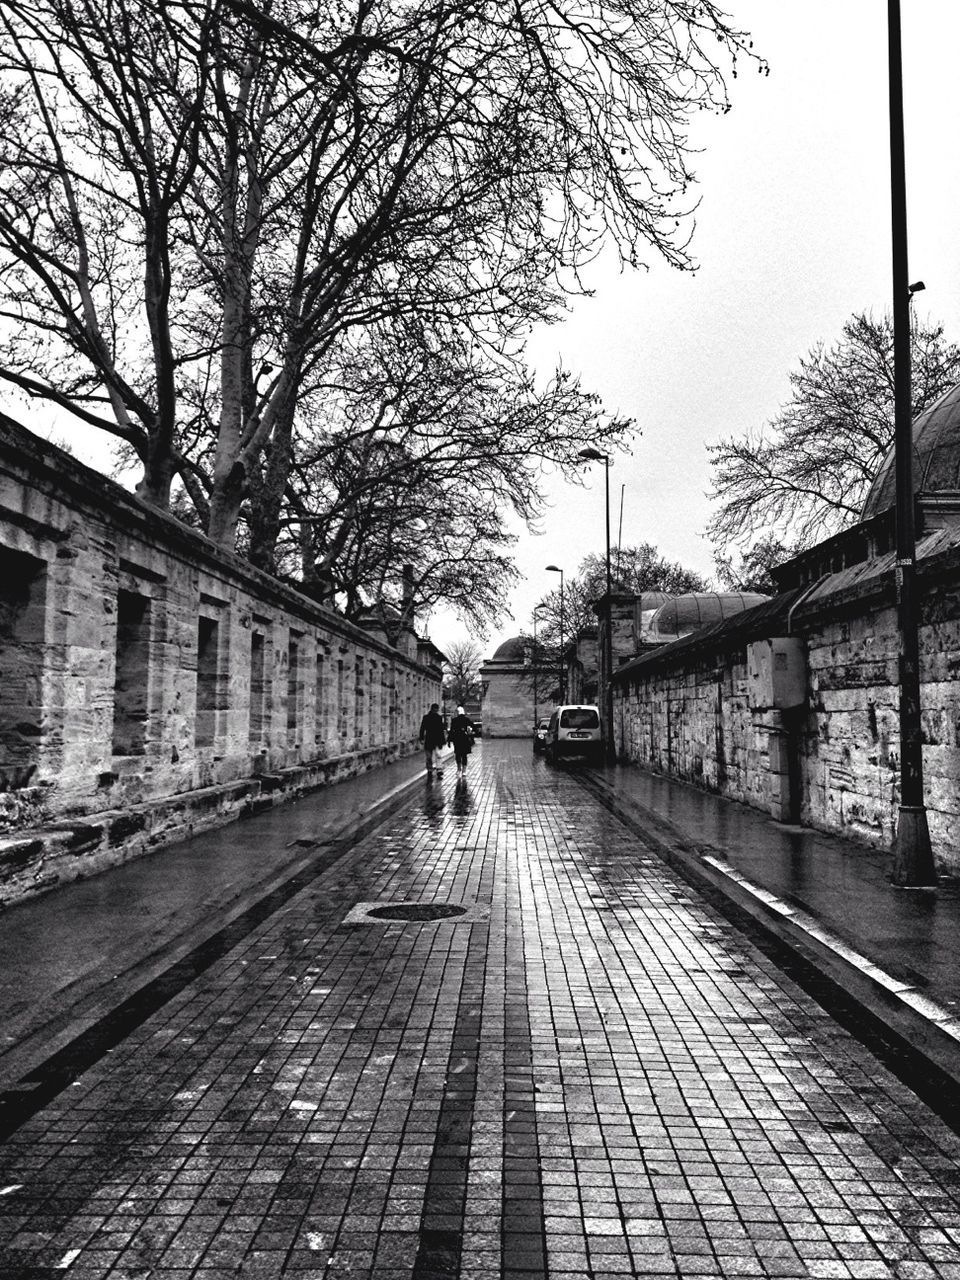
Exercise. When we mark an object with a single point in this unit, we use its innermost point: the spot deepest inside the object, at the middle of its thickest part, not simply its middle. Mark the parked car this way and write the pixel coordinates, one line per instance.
(574, 731)
(540, 736)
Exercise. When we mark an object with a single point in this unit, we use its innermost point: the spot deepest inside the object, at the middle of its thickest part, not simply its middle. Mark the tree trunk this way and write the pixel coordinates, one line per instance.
(267, 506)
(225, 501)
(154, 488)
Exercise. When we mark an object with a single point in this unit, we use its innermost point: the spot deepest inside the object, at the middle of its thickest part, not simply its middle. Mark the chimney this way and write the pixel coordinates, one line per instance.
(406, 612)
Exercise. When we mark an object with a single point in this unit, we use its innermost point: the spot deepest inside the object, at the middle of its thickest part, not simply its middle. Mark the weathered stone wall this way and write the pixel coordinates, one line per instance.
(833, 763)
(508, 708)
(695, 724)
(151, 685)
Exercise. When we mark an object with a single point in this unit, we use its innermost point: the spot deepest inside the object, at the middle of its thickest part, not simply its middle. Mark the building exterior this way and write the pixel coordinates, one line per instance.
(516, 691)
(152, 685)
(793, 705)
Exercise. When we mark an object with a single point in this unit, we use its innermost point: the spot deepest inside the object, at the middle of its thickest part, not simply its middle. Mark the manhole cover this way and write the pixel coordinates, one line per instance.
(417, 911)
(381, 912)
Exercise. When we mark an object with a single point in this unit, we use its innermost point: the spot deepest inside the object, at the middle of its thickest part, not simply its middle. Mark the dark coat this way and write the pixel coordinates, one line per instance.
(462, 733)
(432, 732)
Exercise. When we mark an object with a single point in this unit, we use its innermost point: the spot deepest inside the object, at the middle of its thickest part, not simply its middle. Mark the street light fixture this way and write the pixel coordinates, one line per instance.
(594, 455)
(562, 686)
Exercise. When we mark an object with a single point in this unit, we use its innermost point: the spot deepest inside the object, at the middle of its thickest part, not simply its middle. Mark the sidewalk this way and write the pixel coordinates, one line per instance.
(896, 952)
(71, 956)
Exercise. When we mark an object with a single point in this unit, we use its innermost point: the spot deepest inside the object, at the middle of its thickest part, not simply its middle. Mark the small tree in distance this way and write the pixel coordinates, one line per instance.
(635, 569)
(639, 568)
(461, 676)
(753, 573)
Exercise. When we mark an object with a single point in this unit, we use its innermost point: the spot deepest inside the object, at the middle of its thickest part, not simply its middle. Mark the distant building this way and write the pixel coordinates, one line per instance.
(515, 691)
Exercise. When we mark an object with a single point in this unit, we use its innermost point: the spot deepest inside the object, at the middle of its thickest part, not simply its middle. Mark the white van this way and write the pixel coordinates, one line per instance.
(574, 731)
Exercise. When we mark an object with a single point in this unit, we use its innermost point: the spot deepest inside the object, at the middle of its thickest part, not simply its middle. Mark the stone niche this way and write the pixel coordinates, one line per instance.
(152, 686)
(22, 640)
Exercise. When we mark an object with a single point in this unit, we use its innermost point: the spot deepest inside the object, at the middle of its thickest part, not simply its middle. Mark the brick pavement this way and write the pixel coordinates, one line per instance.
(603, 1078)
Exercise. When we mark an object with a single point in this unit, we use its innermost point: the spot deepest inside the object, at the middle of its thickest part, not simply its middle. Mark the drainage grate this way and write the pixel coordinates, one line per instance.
(416, 912)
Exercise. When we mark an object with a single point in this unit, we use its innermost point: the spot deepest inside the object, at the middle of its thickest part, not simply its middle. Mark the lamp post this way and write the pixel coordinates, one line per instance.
(913, 856)
(561, 687)
(594, 455)
(536, 671)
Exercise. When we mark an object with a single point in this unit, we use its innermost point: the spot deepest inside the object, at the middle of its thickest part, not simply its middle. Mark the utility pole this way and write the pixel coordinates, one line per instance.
(913, 864)
(594, 455)
(561, 671)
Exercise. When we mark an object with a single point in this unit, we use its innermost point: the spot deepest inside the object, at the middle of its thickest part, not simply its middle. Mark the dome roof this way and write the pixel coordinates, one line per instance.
(936, 456)
(511, 650)
(653, 599)
(650, 602)
(683, 614)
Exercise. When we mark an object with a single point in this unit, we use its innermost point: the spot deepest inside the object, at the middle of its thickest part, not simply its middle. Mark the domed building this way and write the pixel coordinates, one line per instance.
(936, 461)
(792, 704)
(516, 692)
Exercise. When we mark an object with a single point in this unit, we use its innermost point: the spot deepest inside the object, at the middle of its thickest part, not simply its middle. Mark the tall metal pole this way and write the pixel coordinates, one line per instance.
(561, 687)
(563, 671)
(536, 664)
(594, 455)
(608, 634)
(913, 856)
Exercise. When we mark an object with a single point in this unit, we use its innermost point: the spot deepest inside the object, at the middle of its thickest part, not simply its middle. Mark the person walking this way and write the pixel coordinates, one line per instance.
(433, 735)
(462, 733)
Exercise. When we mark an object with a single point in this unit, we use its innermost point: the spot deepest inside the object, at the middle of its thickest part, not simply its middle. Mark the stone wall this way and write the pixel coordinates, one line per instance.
(151, 685)
(691, 709)
(509, 709)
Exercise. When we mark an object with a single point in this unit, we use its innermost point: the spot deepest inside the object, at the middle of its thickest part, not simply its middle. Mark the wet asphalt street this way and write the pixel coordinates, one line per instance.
(587, 1073)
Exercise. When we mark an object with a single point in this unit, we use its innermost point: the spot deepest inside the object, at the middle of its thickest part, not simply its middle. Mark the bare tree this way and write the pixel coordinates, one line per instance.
(102, 122)
(412, 456)
(388, 513)
(806, 475)
(200, 199)
(462, 671)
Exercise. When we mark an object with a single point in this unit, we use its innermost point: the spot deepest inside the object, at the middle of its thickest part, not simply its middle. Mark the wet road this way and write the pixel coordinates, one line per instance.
(589, 1073)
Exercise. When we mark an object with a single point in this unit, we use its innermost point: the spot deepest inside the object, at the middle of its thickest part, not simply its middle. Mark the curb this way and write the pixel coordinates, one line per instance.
(928, 1028)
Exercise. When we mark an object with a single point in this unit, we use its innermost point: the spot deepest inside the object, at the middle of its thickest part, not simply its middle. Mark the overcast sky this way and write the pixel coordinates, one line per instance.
(792, 237)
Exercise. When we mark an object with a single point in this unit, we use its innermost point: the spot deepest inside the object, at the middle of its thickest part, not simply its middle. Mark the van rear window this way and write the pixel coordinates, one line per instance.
(579, 718)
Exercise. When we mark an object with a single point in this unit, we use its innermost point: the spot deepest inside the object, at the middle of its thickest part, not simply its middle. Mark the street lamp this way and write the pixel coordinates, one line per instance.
(913, 863)
(594, 455)
(561, 688)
